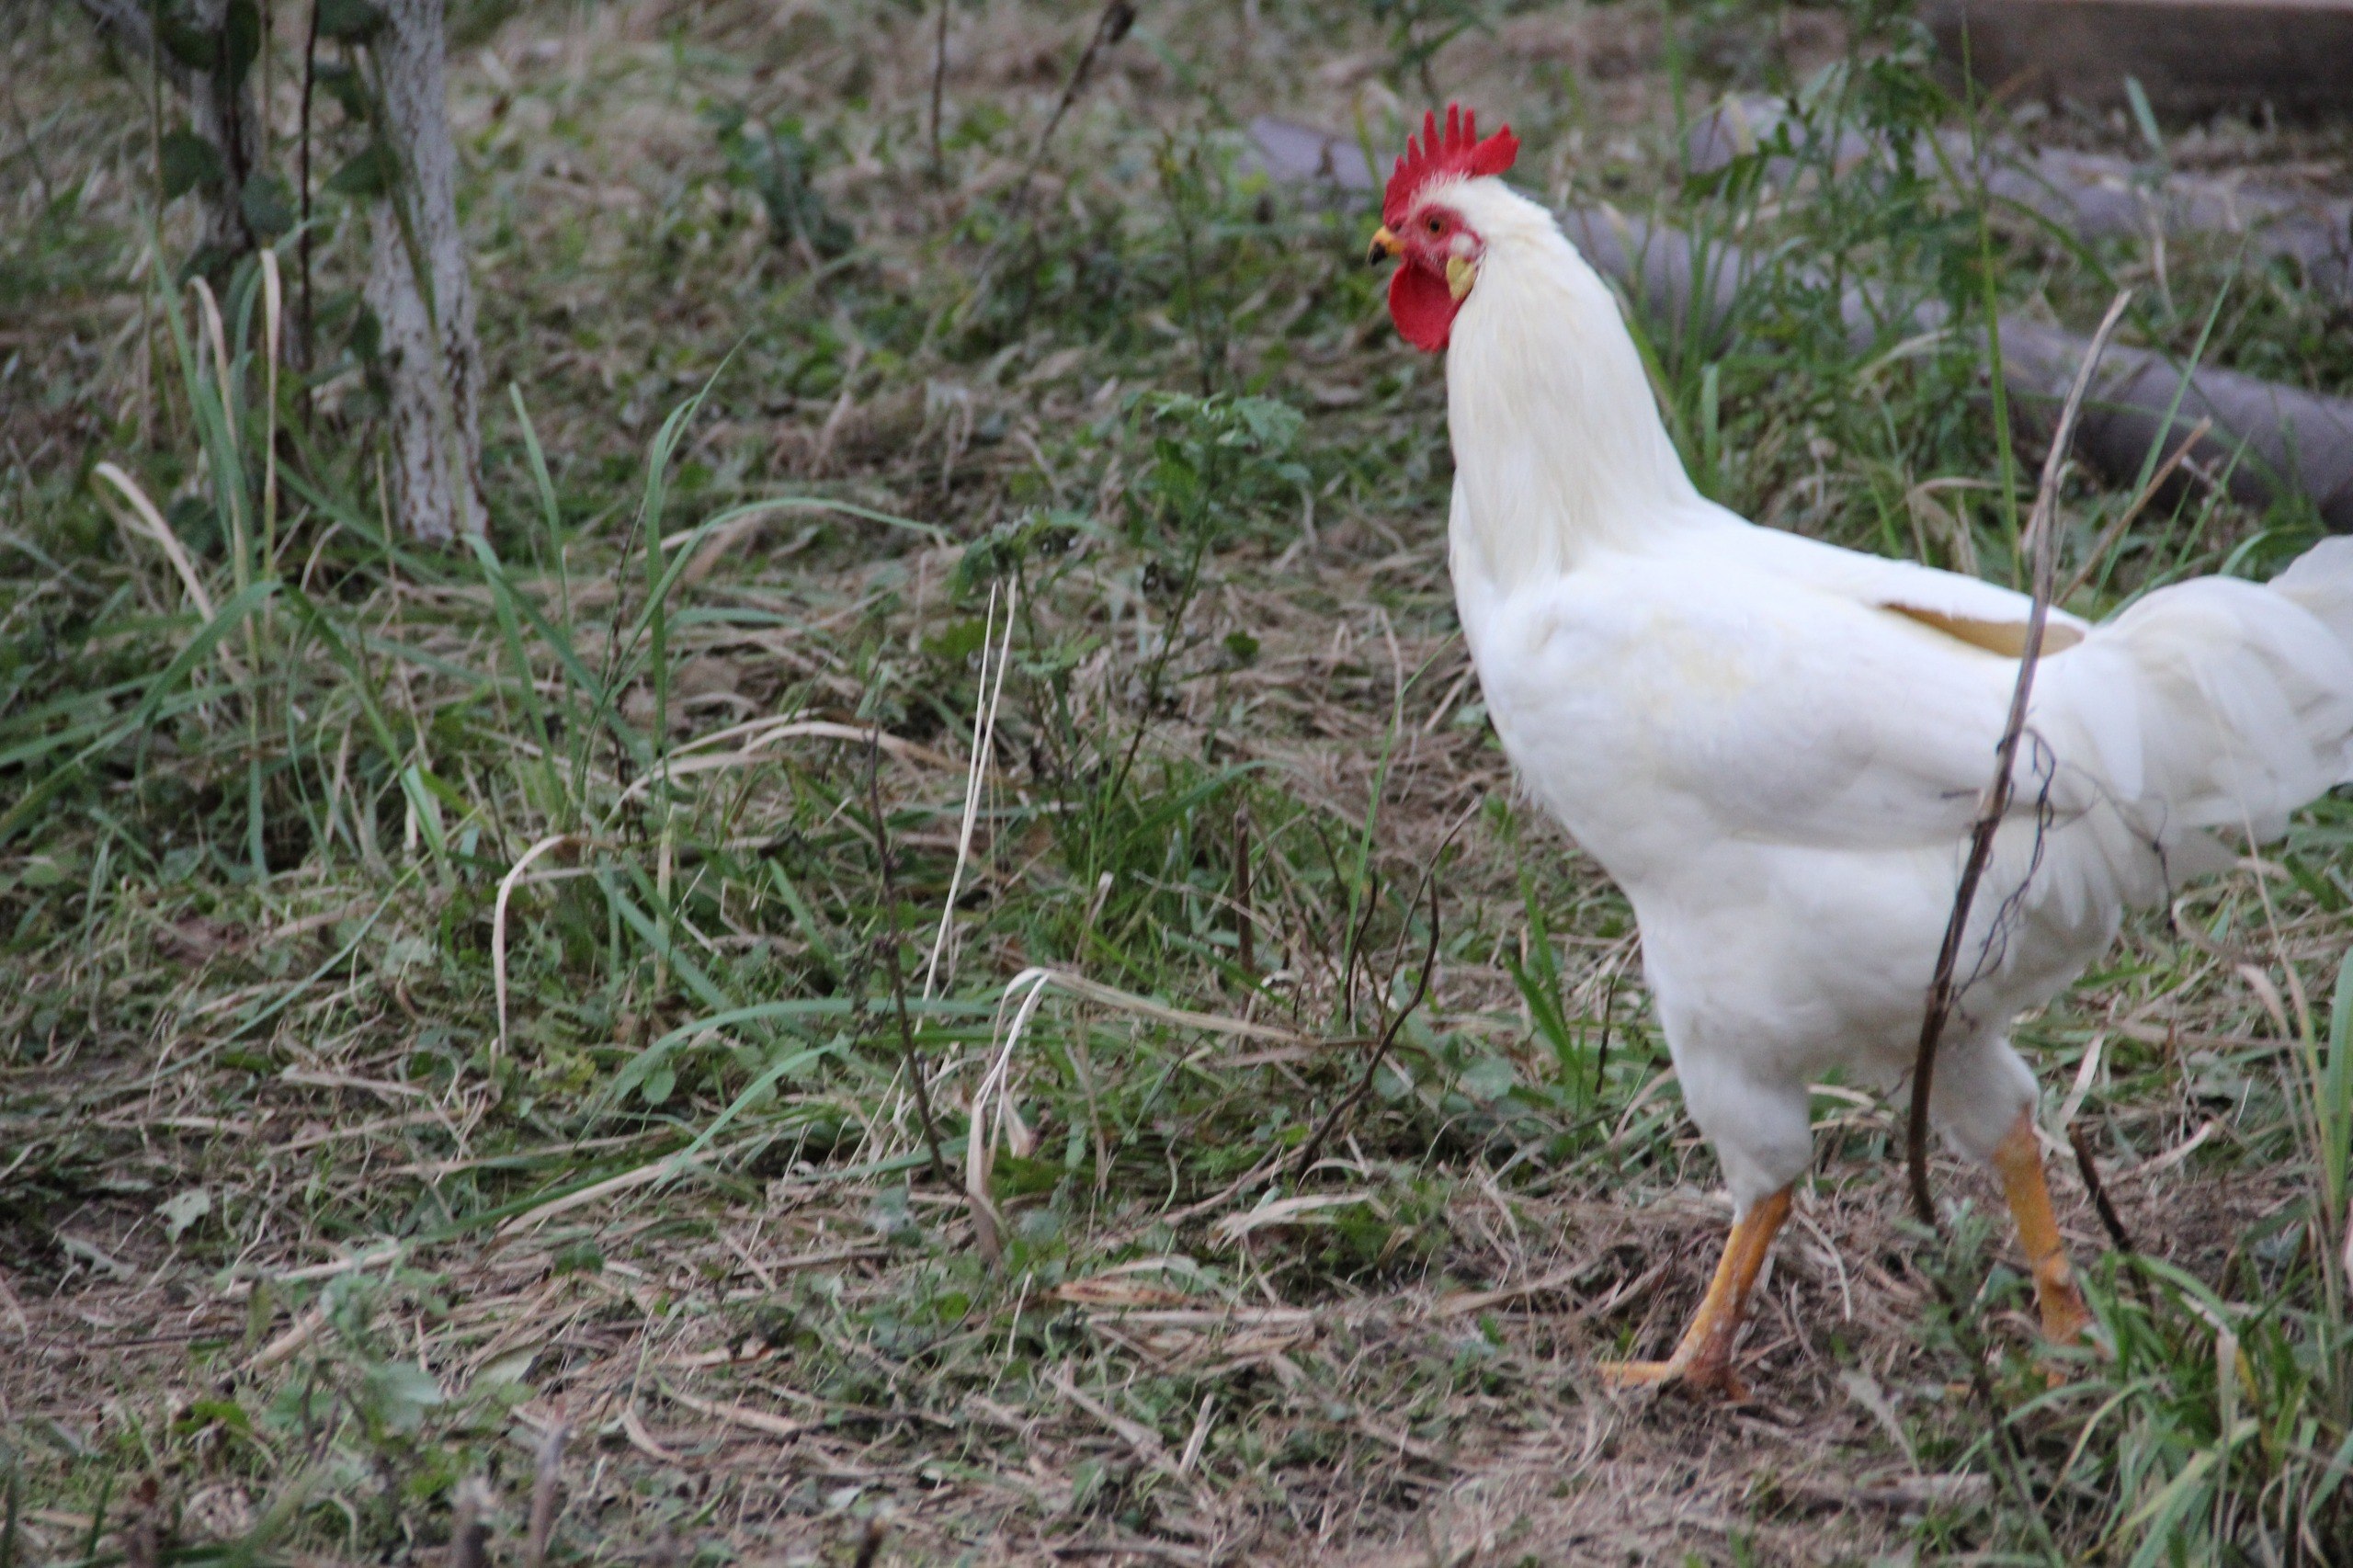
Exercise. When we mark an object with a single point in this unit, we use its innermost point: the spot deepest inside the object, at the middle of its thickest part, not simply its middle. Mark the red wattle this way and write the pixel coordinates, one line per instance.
(1422, 306)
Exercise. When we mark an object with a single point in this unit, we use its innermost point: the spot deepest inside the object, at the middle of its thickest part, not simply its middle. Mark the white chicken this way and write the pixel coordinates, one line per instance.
(1776, 747)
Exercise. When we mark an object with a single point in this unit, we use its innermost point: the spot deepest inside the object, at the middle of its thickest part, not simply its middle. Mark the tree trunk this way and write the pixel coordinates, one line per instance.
(432, 373)
(227, 117)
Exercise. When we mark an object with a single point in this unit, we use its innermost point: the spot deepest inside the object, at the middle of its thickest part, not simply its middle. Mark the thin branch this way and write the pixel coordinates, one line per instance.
(1117, 18)
(470, 1536)
(2041, 528)
(310, 317)
(1112, 25)
(546, 1494)
(938, 85)
(890, 954)
(1313, 1147)
(2109, 1217)
(1245, 925)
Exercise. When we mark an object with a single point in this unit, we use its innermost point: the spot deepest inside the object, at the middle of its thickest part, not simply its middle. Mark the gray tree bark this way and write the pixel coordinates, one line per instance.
(420, 290)
(230, 120)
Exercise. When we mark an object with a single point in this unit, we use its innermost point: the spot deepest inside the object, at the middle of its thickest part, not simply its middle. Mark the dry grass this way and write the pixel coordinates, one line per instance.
(292, 1244)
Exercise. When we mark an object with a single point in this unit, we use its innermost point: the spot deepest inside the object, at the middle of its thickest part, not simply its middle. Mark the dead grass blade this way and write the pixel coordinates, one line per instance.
(976, 775)
(152, 523)
(499, 926)
(750, 1420)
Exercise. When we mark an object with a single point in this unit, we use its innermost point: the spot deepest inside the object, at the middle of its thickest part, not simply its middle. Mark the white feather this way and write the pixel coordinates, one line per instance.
(1777, 746)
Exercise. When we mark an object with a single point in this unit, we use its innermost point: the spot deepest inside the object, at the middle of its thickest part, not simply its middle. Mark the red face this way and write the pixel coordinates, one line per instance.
(1436, 256)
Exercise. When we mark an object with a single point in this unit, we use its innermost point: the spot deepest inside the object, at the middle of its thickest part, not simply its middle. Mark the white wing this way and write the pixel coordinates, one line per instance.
(1799, 696)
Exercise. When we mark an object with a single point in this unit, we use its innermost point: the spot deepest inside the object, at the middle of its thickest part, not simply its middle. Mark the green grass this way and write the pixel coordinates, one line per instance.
(303, 1227)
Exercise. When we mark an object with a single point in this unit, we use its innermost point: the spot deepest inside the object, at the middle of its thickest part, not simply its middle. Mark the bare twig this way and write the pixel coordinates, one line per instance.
(1117, 18)
(890, 955)
(1942, 990)
(546, 1494)
(310, 319)
(141, 1535)
(2108, 1218)
(938, 85)
(1112, 25)
(470, 1536)
(1313, 1147)
(1358, 930)
(1247, 920)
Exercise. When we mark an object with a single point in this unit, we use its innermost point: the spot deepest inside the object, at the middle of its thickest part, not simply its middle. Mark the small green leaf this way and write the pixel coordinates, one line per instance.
(205, 1413)
(957, 642)
(659, 1084)
(197, 48)
(1241, 647)
(2145, 118)
(342, 84)
(241, 31)
(190, 162)
(350, 21)
(372, 171)
(398, 1394)
(1018, 1177)
(1488, 1079)
(267, 205)
(580, 1257)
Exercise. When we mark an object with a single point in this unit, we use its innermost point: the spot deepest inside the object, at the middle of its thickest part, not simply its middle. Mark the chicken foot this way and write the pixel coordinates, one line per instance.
(2018, 1159)
(1702, 1357)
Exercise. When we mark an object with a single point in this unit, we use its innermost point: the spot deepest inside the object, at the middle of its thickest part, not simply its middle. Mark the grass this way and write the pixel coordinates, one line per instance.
(457, 999)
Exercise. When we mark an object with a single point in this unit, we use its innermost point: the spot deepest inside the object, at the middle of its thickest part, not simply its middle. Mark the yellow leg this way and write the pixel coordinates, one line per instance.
(2018, 1160)
(1703, 1358)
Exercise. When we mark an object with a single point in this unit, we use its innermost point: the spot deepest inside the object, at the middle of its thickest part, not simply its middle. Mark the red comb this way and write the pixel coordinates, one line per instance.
(1456, 152)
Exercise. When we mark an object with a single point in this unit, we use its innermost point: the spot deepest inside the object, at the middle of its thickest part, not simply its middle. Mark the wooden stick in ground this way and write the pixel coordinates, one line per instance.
(470, 1536)
(2042, 526)
(890, 955)
(307, 337)
(2109, 1219)
(547, 1494)
(938, 86)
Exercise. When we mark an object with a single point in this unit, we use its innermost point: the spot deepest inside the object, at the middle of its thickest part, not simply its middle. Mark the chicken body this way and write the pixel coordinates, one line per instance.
(1777, 748)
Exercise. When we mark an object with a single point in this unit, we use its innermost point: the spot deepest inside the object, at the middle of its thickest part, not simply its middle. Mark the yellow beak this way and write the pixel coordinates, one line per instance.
(1383, 243)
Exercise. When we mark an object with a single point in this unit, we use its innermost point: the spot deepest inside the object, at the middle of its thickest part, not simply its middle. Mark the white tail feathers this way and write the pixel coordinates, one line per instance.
(2213, 706)
(2321, 580)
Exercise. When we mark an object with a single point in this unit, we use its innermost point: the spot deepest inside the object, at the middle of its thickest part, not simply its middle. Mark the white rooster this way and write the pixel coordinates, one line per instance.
(1777, 746)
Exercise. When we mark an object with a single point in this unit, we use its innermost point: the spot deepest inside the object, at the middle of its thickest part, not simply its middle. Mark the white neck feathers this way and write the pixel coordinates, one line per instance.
(1558, 445)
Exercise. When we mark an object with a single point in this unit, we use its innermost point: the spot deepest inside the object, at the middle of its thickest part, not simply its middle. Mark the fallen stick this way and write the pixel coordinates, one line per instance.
(2094, 195)
(2188, 56)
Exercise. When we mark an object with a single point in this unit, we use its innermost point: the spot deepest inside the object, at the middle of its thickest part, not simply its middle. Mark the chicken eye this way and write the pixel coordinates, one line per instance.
(1437, 225)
